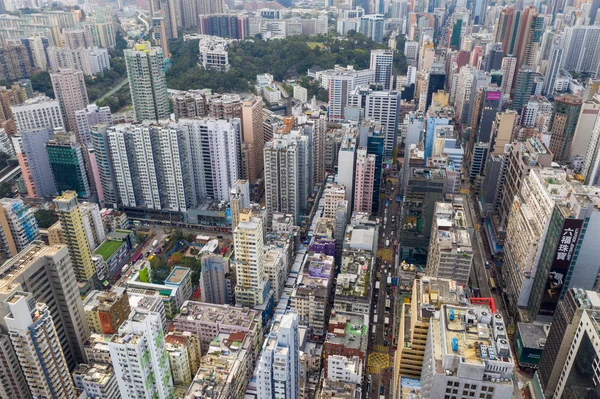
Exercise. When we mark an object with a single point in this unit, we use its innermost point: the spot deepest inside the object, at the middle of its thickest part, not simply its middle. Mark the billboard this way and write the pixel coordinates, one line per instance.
(560, 265)
(493, 96)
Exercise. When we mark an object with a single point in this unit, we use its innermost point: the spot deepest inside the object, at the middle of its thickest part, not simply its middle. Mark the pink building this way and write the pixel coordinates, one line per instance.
(364, 181)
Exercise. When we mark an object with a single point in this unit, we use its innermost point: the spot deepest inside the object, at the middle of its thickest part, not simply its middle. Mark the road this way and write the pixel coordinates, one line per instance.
(114, 89)
(380, 354)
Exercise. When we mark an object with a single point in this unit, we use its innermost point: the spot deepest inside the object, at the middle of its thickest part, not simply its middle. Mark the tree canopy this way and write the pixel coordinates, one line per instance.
(284, 59)
(45, 218)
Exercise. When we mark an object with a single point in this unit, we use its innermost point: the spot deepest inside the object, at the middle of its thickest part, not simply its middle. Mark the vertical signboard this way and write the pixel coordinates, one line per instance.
(560, 265)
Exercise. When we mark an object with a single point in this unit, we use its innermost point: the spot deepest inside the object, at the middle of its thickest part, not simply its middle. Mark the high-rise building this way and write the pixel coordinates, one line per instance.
(332, 194)
(508, 68)
(14, 62)
(436, 81)
(105, 311)
(283, 166)
(77, 38)
(278, 368)
(88, 117)
(251, 288)
(553, 68)
(563, 125)
(581, 49)
(37, 346)
(67, 163)
(450, 252)
(455, 361)
(582, 138)
(46, 272)
(523, 88)
(424, 187)
(178, 164)
(565, 337)
(376, 146)
(107, 190)
(253, 139)
(18, 226)
(522, 157)
(30, 147)
(382, 107)
(346, 165)
(97, 380)
(226, 368)
(73, 228)
(364, 181)
(139, 357)
(71, 93)
(340, 85)
(212, 279)
(382, 62)
(38, 113)
(428, 294)
(372, 26)
(147, 82)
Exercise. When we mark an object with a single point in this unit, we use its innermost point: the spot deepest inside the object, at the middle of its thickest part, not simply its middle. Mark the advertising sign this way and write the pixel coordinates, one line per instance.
(493, 95)
(560, 265)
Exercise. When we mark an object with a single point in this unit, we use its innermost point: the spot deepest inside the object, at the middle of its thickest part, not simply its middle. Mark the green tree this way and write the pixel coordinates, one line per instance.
(41, 82)
(6, 190)
(45, 218)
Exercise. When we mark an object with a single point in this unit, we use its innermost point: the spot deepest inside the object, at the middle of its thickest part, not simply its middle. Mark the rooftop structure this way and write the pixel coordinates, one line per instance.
(225, 370)
(468, 350)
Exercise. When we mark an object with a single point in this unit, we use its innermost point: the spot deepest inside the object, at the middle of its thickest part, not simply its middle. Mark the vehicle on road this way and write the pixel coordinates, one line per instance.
(387, 243)
(376, 285)
(381, 390)
(492, 285)
(154, 243)
(374, 321)
(487, 264)
(387, 321)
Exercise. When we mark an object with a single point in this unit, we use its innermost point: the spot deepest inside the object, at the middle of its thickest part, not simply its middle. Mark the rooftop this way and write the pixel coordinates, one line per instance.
(219, 314)
(452, 226)
(177, 275)
(349, 330)
(472, 340)
(108, 248)
(13, 268)
(533, 335)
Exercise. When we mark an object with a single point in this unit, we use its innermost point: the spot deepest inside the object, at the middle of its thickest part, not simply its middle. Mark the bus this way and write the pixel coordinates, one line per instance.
(492, 285)
(136, 258)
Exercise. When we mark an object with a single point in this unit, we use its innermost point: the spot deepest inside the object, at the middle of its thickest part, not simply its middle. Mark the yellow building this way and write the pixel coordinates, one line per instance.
(73, 230)
(428, 294)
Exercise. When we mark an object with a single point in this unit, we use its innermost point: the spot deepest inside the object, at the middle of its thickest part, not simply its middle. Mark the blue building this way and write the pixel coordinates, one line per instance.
(376, 146)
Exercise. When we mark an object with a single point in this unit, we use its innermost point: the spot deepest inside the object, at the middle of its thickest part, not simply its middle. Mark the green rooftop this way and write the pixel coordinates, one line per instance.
(108, 248)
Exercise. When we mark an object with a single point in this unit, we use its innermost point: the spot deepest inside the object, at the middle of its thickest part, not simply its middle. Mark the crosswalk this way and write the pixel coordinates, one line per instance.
(380, 348)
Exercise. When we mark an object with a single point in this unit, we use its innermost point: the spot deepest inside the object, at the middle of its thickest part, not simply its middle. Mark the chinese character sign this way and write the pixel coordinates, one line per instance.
(565, 247)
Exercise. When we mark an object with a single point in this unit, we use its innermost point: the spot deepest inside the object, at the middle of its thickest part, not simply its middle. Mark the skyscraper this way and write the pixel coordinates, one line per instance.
(282, 175)
(364, 181)
(71, 93)
(67, 163)
(107, 192)
(563, 125)
(523, 88)
(382, 62)
(30, 147)
(278, 369)
(90, 116)
(508, 68)
(253, 139)
(556, 56)
(38, 113)
(139, 356)
(581, 49)
(47, 273)
(18, 226)
(37, 346)
(340, 85)
(251, 288)
(436, 81)
(71, 221)
(372, 26)
(147, 82)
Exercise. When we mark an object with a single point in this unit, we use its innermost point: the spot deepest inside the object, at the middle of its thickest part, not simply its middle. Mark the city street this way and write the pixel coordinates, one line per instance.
(380, 356)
